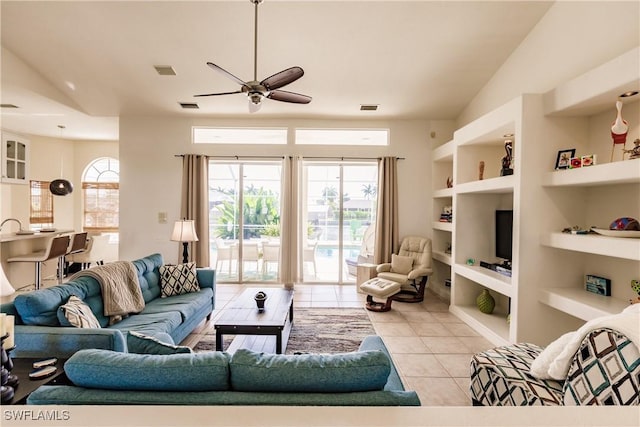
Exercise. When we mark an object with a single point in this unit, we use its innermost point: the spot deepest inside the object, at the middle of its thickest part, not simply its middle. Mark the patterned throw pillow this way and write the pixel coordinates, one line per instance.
(178, 279)
(78, 314)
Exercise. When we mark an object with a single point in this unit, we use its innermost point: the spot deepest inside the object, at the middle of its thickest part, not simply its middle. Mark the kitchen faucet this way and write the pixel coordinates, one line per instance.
(11, 219)
(19, 232)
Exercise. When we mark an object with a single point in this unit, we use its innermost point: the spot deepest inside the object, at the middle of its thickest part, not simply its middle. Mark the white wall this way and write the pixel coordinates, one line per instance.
(53, 158)
(48, 159)
(572, 38)
(151, 174)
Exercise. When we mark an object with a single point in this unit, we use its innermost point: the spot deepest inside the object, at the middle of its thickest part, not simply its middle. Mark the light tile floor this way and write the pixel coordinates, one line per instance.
(431, 347)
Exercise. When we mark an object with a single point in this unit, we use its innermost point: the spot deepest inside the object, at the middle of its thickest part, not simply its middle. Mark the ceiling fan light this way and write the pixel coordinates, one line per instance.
(255, 98)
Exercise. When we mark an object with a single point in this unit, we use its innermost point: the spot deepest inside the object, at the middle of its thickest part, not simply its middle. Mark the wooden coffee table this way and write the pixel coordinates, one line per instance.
(256, 330)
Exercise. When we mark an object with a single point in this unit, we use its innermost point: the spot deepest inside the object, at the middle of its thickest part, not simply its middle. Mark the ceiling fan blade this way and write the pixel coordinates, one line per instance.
(284, 96)
(221, 93)
(226, 73)
(282, 78)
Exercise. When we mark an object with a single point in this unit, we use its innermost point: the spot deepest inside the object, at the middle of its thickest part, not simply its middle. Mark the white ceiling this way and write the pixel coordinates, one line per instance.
(83, 64)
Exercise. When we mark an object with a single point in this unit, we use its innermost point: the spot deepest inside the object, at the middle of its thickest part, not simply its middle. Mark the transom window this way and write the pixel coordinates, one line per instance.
(342, 136)
(269, 136)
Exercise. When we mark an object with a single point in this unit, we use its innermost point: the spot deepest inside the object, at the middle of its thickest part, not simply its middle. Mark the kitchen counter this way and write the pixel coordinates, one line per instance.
(13, 237)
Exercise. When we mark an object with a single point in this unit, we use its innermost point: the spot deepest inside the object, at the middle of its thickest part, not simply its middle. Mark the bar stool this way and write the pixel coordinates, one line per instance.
(78, 244)
(56, 248)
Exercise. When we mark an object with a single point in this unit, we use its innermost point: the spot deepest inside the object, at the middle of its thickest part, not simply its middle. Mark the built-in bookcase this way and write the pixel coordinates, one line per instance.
(545, 296)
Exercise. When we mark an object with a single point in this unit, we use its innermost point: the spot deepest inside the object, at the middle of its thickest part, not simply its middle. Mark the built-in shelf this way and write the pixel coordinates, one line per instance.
(593, 91)
(580, 303)
(444, 226)
(498, 185)
(444, 153)
(441, 256)
(617, 247)
(443, 193)
(493, 327)
(490, 128)
(485, 277)
(624, 172)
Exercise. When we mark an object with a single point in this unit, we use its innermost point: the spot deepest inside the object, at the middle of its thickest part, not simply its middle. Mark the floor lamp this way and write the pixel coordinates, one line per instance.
(184, 231)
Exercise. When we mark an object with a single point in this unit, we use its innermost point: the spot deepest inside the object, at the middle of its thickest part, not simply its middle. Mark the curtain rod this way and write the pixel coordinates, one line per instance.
(282, 157)
(345, 158)
(234, 157)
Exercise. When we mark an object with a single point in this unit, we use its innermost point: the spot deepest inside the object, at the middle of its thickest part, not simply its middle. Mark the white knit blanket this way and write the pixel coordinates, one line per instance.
(555, 360)
(121, 293)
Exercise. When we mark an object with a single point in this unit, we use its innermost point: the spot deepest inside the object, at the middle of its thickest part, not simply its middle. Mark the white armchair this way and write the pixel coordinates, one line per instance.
(411, 267)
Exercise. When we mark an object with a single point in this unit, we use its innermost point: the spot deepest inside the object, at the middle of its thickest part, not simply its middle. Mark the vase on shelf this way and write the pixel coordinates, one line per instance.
(485, 302)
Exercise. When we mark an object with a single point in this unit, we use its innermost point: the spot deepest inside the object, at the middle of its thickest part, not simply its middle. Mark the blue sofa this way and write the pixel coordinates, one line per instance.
(39, 333)
(100, 377)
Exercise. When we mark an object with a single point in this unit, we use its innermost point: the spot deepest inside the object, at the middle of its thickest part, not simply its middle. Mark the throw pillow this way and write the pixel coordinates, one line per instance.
(115, 370)
(401, 264)
(309, 373)
(78, 314)
(144, 344)
(178, 279)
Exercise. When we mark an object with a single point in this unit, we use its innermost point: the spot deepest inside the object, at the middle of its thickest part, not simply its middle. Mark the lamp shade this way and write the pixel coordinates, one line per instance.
(184, 231)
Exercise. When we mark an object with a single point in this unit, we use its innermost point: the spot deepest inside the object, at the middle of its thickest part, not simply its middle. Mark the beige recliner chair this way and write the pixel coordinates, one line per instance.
(411, 267)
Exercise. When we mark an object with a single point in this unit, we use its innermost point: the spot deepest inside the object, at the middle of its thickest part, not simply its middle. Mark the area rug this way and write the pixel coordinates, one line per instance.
(315, 330)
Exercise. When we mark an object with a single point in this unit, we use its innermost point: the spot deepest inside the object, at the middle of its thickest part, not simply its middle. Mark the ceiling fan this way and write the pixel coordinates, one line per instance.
(267, 88)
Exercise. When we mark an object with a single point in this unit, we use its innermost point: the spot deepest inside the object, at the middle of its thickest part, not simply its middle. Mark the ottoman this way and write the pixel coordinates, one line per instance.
(382, 289)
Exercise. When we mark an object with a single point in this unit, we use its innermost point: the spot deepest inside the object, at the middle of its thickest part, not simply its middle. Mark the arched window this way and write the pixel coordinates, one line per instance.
(101, 188)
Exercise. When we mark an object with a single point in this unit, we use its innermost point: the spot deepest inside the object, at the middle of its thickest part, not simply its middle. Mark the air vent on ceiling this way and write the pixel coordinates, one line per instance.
(8, 106)
(165, 70)
(368, 107)
(191, 105)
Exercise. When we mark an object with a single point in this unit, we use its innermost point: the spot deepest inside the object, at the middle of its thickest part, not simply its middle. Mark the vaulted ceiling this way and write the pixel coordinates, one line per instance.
(83, 64)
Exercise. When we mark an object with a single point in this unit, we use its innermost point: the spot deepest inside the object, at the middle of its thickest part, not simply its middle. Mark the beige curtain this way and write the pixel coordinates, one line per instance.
(290, 222)
(387, 214)
(195, 204)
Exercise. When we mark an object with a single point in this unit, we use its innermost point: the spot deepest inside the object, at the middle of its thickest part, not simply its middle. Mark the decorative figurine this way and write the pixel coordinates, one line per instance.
(481, 170)
(619, 130)
(635, 151)
(507, 168)
(260, 298)
(449, 182)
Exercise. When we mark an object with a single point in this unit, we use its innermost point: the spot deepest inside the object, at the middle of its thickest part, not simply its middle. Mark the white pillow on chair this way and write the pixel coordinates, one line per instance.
(401, 264)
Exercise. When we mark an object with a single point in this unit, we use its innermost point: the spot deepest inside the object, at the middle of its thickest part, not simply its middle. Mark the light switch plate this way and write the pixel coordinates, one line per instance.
(162, 217)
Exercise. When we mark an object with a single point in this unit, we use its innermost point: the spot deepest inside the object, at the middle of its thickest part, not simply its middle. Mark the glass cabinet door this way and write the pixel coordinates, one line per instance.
(15, 159)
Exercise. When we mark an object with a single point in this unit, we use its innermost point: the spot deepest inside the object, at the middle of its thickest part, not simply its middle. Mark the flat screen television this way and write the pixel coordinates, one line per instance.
(504, 234)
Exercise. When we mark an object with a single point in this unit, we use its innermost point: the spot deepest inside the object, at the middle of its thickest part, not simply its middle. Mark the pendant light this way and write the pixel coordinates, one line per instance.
(61, 187)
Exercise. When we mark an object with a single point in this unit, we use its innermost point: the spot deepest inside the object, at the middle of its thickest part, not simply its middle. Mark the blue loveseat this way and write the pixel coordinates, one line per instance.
(100, 377)
(39, 333)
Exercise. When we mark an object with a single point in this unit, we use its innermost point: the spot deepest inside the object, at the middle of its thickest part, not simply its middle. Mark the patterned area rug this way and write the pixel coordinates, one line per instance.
(316, 330)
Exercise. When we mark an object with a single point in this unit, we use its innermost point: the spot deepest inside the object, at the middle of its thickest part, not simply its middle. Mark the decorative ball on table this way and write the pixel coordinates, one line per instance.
(260, 298)
(625, 224)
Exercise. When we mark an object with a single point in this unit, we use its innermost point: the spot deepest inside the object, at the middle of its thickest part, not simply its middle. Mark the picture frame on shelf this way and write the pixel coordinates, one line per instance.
(563, 161)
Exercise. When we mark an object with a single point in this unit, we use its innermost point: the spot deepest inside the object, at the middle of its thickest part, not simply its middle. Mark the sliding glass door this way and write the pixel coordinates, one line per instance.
(338, 219)
(244, 220)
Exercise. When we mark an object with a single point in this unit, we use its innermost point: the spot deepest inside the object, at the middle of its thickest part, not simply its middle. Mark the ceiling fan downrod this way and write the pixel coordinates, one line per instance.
(255, 38)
